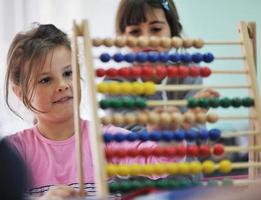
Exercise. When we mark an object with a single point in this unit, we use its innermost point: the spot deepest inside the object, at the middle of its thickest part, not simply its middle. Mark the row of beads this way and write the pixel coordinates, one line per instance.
(143, 42)
(127, 88)
(153, 57)
(222, 102)
(163, 118)
(165, 136)
(159, 71)
(170, 151)
(183, 168)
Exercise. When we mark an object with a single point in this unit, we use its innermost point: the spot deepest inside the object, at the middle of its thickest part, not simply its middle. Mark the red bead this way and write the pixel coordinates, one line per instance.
(192, 150)
(133, 152)
(181, 150)
(124, 72)
(172, 71)
(135, 72)
(158, 151)
(145, 152)
(147, 72)
(112, 72)
(218, 149)
(161, 72)
(170, 151)
(205, 71)
(204, 150)
(121, 153)
(109, 152)
(100, 72)
(183, 71)
(194, 71)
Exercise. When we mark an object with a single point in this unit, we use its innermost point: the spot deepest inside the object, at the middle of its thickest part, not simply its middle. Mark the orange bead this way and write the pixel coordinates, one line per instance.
(212, 117)
(199, 43)
(187, 43)
(120, 41)
(97, 42)
(108, 42)
(176, 42)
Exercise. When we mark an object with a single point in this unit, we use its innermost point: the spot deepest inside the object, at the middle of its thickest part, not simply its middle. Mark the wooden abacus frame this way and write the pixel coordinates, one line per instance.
(247, 42)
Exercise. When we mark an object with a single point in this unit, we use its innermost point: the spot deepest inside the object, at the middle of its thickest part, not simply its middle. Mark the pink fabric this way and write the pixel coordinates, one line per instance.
(54, 162)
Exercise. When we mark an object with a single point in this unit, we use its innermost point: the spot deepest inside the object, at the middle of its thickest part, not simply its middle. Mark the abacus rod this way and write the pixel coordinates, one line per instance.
(229, 71)
(239, 133)
(222, 43)
(240, 149)
(230, 58)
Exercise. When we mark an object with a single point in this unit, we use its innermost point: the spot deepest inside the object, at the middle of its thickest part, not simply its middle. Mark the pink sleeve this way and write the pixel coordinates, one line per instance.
(16, 143)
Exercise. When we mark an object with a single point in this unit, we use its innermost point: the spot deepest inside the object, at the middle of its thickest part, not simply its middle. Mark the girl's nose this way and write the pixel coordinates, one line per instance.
(63, 86)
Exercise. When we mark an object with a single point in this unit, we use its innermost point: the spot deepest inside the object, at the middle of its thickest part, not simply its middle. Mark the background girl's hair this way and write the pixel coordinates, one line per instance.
(133, 12)
(26, 57)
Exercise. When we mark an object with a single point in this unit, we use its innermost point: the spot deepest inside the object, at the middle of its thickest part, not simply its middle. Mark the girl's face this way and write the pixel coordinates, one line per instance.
(156, 25)
(53, 93)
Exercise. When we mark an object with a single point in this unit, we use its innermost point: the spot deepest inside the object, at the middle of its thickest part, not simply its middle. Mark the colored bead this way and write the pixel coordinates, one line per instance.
(185, 183)
(192, 103)
(187, 43)
(109, 152)
(149, 183)
(100, 72)
(181, 150)
(140, 103)
(129, 119)
(104, 104)
(142, 118)
(159, 169)
(115, 103)
(177, 118)
(176, 42)
(208, 57)
(161, 72)
(134, 152)
(183, 168)
(129, 57)
(172, 71)
(123, 170)
(111, 170)
(106, 120)
(107, 137)
(208, 167)
(186, 57)
(154, 41)
(136, 185)
(214, 134)
(199, 43)
(131, 41)
(167, 135)
(141, 57)
(135, 169)
(118, 137)
(189, 117)
(201, 117)
(126, 186)
(114, 187)
(120, 41)
(147, 72)
(102, 87)
(197, 57)
(132, 137)
(135, 72)
(195, 167)
(170, 151)
(143, 42)
(163, 57)
(179, 135)
(174, 57)
(121, 153)
(248, 102)
(225, 102)
(194, 71)
(191, 135)
(165, 42)
(204, 151)
(153, 117)
(171, 168)
(203, 134)
(97, 42)
(147, 169)
(114, 88)
(225, 166)
(183, 71)
(158, 151)
(203, 103)
(213, 102)
(149, 88)
(192, 150)
(105, 57)
(137, 88)
(205, 71)
(108, 42)
(153, 57)
(155, 136)
(118, 57)
(128, 102)
(144, 136)
(126, 88)
(236, 102)
(162, 183)
(212, 118)
(164, 119)
(124, 72)
(218, 149)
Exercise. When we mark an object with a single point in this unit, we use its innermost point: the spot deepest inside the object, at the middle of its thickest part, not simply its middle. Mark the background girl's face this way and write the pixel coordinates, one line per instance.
(156, 25)
(53, 92)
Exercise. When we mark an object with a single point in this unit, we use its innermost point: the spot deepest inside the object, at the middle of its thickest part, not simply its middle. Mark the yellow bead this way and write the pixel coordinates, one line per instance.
(147, 169)
(137, 88)
(126, 88)
(111, 170)
(135, 169)
(195, 167)
(183, 168)
(208, 167)
(225, 166)
(149, 88)
(159, 169)
(172, 168)
(123, 170)
(103, 87)
(114, 88)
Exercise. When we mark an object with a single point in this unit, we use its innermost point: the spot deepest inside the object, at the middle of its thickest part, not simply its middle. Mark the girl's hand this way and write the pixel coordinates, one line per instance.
(59, 192)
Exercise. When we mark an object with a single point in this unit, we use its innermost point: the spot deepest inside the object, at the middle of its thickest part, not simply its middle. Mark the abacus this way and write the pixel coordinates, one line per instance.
(181, 66)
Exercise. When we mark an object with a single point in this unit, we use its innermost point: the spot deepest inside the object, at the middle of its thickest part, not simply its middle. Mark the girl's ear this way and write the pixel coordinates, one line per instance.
(17, 90)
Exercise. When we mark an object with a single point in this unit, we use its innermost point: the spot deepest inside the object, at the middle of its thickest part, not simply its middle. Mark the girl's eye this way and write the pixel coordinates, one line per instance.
(156, 29)
(134, 32)
(45, 80)
(68, 73)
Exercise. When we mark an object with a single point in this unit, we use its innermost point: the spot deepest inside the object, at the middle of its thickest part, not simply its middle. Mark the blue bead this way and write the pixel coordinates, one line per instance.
(141, 57)
(153, 56)
(118, 57)
(143, 136)
(129, 57)
(191, 135)
(208, 57)
(107, 137)
(186, 57)
(203, 134)
(163, 57)
(174, 57)
(197, 57)
(132, 137)
(155, 136)
(179, 135)
(105, 57)
(119, 137)
(214, 134)
(167, 135)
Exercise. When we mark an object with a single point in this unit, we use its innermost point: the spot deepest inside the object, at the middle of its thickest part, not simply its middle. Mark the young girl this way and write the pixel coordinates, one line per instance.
(39, 73)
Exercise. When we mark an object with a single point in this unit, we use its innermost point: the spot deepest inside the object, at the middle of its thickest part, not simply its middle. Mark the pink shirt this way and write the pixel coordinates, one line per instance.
(54, 162)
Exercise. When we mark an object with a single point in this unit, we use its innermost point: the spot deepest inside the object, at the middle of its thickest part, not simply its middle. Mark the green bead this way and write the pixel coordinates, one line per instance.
(140, 103)
(214, 102)
(212, 183)
(192, 103)
(116, 103)
(225, 102)
(162, 183)
(149, 183)
(126, 186)
(174, 184)
(128, 103)
(247, 102)
(196, 183)
(104, 104)
(236, 102)
(203, 103)
(185, 183)
(137, 185)
(114, 187)
(227, 182)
